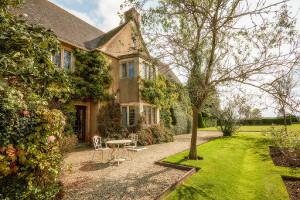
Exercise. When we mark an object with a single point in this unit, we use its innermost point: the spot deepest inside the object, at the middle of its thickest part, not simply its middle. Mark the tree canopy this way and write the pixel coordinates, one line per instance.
(216, 42)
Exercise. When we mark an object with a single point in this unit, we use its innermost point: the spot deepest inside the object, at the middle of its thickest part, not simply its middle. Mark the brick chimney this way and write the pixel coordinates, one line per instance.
(132, 14)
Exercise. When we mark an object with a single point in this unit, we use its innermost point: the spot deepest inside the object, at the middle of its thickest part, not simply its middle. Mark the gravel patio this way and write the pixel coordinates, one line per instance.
(136, 178)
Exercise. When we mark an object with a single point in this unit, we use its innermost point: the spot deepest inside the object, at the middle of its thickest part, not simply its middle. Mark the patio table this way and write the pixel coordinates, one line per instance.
(116, 144)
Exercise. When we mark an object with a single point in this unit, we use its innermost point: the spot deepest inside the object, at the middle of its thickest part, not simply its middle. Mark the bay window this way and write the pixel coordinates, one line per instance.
(127, 70)
(128, 115)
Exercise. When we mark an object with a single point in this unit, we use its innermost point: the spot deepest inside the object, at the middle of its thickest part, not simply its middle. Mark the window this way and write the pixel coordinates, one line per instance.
(67, 60)
(144, 71)
(145, 113)
(133, 43)
(128, 70)
(124, 70)
(128, 115)
(131, 70)
(63, 59)
(131, 115)
(56, 59)
(148, 72)
(149, 115)
(124, 116)
(153, 73)
(154, 115)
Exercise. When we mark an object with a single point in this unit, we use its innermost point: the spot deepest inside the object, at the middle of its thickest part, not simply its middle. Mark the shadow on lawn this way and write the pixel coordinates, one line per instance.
(188, 192)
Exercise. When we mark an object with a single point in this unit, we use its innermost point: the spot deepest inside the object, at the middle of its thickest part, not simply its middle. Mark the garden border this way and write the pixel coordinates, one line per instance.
(191, 170)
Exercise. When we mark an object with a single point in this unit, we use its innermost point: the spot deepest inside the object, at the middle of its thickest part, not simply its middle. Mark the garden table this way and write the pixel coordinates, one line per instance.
(116, 145)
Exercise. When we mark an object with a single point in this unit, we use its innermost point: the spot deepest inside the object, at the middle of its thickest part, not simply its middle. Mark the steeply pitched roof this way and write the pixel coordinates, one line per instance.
(107, 36)
(71, 29)
(66, 26)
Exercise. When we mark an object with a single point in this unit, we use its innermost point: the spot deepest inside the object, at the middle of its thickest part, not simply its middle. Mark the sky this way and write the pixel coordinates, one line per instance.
(104, 14)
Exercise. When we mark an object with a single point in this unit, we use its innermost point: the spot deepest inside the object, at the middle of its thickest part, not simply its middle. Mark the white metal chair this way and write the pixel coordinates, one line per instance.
(98, 145)
(133, 145)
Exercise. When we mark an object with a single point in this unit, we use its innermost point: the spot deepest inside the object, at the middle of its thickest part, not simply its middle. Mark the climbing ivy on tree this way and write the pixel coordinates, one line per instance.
(161, 93)
(91, 79)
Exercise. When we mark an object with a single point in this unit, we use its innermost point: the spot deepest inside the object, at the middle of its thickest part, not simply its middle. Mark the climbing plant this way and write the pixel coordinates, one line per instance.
(161, 93)
(91, 79)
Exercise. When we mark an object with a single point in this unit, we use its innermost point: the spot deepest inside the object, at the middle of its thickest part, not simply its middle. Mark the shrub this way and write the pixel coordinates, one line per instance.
(181, 114)
(286, 140)
(155, 134)
(67, 143)
(227, 121)
(30, 166)
(201, 123)
(266, 121)
(109, 121)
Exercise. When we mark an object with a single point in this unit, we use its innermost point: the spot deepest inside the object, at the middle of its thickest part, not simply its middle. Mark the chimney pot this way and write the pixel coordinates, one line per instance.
(132, 14)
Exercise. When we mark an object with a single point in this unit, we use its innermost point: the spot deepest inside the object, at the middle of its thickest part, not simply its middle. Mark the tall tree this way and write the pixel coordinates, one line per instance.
(217, 42)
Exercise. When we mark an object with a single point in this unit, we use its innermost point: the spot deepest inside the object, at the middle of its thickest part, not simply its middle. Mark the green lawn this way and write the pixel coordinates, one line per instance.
(292, 127)
(237, 167)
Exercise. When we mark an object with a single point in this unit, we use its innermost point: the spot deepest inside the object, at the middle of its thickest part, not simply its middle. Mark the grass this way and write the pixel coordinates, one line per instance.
(292, 127)
(237, 167)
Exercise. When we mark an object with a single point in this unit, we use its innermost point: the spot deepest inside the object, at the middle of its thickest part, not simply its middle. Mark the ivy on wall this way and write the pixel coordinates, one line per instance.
(91, 79)
(161, 93)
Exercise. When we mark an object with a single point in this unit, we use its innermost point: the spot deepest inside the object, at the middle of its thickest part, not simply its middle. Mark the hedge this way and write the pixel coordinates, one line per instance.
(266, 121)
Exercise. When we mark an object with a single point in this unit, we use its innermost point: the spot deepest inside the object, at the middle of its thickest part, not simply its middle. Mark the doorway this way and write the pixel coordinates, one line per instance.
(79, 128)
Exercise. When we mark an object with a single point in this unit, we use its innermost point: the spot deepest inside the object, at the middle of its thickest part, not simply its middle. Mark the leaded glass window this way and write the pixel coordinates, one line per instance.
(124, 116)
(148, 72)
(154, 115)
(67, 60)
(131, 70)
(56, 59)
(149, 115)
(131, 115)
(153, 73)
(124, 70)
(144, 71)
(145, 113)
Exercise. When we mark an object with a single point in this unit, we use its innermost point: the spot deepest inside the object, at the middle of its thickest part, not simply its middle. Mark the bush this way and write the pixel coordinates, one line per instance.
(181, 114)
(109, 121)
(286, 140)
(210, 122)
(67, 143)
(30, 166)
(266, 121)
(155, 134)
(227, 121)
(200, 121)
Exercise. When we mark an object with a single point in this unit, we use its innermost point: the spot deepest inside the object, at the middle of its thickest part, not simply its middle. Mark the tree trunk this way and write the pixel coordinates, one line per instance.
(193, 150)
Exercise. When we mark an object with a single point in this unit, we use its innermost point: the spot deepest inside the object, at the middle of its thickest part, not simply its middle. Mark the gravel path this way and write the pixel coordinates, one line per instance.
(136, 178)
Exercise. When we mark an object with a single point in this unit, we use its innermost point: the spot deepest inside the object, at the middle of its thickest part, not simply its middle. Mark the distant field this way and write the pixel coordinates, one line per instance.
(293, 127)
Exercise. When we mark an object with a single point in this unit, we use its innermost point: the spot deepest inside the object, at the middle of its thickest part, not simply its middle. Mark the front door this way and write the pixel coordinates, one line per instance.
(79, 128)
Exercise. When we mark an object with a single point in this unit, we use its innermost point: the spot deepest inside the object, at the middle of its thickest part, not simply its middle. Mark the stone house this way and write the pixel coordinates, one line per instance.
(120, 46)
